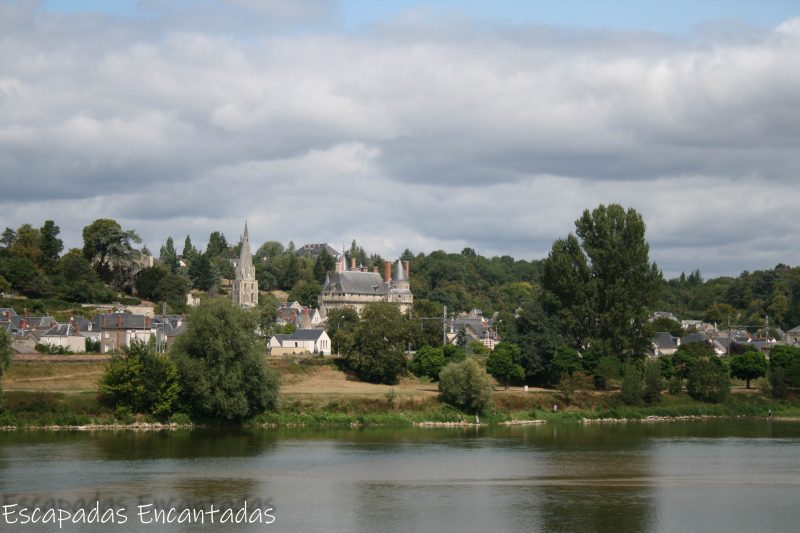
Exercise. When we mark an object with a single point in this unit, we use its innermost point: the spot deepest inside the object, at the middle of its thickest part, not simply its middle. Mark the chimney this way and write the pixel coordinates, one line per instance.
(387, 272)
(22, 324)
(406, 268)
(340, 265)
(375, 269)
(352, 263)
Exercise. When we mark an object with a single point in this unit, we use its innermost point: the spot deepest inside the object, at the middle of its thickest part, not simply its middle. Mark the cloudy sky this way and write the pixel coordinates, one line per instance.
(408, 124)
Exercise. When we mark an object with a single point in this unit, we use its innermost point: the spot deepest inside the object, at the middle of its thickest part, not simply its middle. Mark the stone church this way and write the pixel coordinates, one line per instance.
(356, 287)
(245, 286)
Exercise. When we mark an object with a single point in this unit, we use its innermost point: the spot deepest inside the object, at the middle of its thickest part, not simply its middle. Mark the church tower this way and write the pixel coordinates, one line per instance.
(245, 286)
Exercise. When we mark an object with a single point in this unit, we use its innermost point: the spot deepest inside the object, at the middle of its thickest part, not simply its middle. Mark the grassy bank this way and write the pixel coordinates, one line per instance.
(47, 409)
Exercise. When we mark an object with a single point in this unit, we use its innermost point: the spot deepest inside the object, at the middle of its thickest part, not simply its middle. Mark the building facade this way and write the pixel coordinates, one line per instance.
(356, 287)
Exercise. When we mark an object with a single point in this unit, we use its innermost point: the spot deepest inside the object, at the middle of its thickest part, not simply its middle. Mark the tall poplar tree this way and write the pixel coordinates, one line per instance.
(600, 282)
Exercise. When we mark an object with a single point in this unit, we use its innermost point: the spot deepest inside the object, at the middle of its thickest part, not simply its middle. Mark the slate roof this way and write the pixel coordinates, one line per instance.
(694, 337)
(314, 249)
(355, 282)
(41, 323)
(304, 335)
(120, 321)
(61, 330)
(11, 312)
(665, 341)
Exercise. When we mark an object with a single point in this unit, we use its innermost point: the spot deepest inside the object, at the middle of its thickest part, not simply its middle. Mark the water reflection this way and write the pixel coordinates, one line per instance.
(567, 477)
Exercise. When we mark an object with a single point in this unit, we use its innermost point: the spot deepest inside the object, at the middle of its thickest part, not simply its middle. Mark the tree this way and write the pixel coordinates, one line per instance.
(653, 382)
(465, 385)
(307, 293)
(606, 369)
(720, 313)
(23, 275)
(749, 365)
(342, 323)
(26, 244)
(189, 251)
(601, 286)
(50, 245)
(428, 361)
(168, 256)
(324, 264)
(221, 364)
(708, 380)
(379, 341)
(217, 245)
(5, 359)
(141, 381)
(662, 323)
(108, 246)
(503, 364)
(203, 273)
(565, 361)
(632, 390)
(8, 237)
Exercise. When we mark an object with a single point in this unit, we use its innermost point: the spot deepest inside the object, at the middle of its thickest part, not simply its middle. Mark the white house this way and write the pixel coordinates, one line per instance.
(302, 341)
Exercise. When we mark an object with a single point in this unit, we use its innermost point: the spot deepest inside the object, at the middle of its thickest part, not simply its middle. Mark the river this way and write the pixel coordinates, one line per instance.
(718, 475)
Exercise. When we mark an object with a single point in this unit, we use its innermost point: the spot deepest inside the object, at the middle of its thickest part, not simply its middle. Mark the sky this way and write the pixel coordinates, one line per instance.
(407, 124)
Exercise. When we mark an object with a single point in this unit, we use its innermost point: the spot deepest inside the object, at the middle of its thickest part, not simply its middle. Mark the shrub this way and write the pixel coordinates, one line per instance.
(632, 390)
(141, 381)
(428, 361)
(607, 368)
(503, 364)
(708, 380)
(572, 387)
(749, 365)
(653, 382)
(465, 385)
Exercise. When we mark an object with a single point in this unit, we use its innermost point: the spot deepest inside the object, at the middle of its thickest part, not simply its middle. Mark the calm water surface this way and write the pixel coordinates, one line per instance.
(733, 475)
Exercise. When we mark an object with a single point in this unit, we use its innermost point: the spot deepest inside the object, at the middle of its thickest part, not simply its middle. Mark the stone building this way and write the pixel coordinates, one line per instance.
(244, 289)
(356, 287)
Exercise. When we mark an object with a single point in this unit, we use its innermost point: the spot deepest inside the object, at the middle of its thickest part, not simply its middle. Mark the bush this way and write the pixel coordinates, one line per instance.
(632, 390)
(606, 369)
(708, 381)
(749, 365)
(428, 361)
(52, 350)
(140, 381)
(572, 387)
(465, 385)
(503, 364)
(221, 364)
(653, 382)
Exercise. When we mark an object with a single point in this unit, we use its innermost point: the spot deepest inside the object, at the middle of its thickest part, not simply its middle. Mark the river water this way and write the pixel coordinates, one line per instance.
(719, 475)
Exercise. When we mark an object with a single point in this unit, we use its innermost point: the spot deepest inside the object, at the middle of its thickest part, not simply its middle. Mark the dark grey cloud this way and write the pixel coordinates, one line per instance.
(408, 133)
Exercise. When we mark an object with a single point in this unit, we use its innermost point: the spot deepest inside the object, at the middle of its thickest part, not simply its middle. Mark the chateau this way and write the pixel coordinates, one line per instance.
(356, 287)
(245, 286)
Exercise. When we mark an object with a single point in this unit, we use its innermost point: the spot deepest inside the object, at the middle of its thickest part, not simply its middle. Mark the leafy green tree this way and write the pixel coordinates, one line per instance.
(784, 370)
(428, 361)
(24, 276)
(465, 385)
(217, 245)
(269, 250)
(653, 382)
(221, 364)
(26, 244)
(50, 245)
(305, 292)
(662, 323)
(565, 361)
(342, 323)
(749, 365)
(538, 335)
(720, 313)
(141, 381)
(189, 251)
(5, 359)
(632, 390)
(379, 340)
(601, 282)
(323, 264)
(606, 369)
(427, 327)
(106, 243)
(168, 256)
(203, 273)
(708, 380)
(8, 237)
(503, 364)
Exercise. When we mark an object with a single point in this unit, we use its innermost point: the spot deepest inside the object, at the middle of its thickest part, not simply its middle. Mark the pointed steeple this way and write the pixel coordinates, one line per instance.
(399, 272)
(245, 259)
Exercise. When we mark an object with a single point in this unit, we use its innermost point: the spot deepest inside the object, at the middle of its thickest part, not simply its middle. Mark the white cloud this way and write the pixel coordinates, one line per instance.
(407, 134)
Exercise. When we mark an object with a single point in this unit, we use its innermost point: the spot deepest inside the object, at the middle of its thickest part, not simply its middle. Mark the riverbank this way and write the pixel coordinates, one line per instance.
(84, 412)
